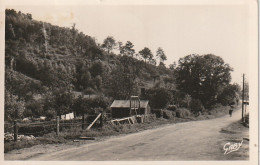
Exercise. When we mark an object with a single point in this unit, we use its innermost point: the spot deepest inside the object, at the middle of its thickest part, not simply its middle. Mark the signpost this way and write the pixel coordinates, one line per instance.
(243, 92)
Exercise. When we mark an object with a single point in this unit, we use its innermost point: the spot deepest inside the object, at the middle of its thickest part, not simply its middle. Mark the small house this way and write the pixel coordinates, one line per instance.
(127, 108)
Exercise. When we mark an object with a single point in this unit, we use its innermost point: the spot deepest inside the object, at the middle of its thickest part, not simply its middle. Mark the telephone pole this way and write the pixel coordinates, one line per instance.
(243, 92)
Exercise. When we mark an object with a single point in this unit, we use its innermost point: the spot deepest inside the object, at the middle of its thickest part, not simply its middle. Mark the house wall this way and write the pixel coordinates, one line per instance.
(120, 112)
(125, 112)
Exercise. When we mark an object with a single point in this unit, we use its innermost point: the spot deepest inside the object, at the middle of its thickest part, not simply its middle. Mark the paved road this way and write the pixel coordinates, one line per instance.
(184, 141)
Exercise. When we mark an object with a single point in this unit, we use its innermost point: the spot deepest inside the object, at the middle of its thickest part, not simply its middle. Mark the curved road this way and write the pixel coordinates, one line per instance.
(198, 140)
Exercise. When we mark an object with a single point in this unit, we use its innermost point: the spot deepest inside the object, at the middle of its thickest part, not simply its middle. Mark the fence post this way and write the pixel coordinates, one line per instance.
(83, 121)
(58, 125)
(101, 120)
(15, 130)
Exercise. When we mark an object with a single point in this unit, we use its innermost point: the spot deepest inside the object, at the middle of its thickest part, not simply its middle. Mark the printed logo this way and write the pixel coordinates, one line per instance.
(228, 147)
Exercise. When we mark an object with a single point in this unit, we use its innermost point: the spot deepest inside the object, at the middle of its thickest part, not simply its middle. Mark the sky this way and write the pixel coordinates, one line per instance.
(179, 30)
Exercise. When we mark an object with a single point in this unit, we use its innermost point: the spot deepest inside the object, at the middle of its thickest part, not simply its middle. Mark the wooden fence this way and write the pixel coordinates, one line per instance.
(40, 128)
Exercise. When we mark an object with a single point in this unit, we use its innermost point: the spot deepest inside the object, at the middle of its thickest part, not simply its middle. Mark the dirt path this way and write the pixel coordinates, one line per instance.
(198, 140)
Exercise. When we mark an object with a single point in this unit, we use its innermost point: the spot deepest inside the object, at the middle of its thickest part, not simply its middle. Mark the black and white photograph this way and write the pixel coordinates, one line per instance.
(126, 81)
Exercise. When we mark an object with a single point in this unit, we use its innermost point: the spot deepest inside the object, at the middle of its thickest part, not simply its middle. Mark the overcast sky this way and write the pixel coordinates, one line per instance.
(179, 29)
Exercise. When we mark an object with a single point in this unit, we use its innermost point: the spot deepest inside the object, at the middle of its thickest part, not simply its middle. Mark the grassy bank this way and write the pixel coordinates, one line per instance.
(236, 132)
(70, 134)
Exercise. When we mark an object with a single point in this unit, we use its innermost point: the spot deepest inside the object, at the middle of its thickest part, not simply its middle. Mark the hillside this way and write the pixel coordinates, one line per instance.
(44, 61)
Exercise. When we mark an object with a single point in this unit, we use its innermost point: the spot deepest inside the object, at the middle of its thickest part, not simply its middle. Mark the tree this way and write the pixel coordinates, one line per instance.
(36, 108)
(83, 76)
(63, 100)
(14, 107)
(196, 106)
(123, 82)
(203, 77)
(159, 97)
(160, 53)
(97, 69)
(152, 61)
(229, 94)
(88, 106)
(146, 54)
(109, 44)
(98, 82)
(127, 49)
(9, 32)
(172, 66)
(42, 39)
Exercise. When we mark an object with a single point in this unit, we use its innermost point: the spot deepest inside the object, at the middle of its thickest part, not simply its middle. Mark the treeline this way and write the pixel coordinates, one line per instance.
(46, 65)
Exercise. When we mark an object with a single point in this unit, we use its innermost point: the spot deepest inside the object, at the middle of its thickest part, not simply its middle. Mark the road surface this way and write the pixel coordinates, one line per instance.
(198, 140)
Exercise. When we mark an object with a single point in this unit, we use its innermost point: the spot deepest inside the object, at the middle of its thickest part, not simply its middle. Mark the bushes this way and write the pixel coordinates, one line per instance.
(159, 97)
(172, 107)
(182, 113)
(89, 91)
(168, 114)
(157, 112)
(36, 130)
(196, 105)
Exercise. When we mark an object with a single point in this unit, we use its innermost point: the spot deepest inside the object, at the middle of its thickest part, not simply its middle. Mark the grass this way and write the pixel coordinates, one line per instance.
(69, 134)
(235, 133)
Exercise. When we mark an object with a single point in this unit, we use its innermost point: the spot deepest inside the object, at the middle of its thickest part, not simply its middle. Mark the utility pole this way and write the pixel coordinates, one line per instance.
(243, 92)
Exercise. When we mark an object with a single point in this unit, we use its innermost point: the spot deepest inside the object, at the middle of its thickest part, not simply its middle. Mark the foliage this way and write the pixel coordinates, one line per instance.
(158, 97)
(35, 107)
(45, 63)
(182, 113)
(97, 68)
(168, 114)
(23, 87)
(146, 54)
(90, 105)
(109, 44)
(123, 82)
(127, 49)
(63, 101)
(160, 53)
(14, 107)
(203, 77)
(196, 106)
(172, 107)
(230, 94)
(173, 66)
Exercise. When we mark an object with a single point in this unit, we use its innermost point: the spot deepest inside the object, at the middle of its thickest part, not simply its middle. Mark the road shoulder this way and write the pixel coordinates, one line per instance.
(234, 142)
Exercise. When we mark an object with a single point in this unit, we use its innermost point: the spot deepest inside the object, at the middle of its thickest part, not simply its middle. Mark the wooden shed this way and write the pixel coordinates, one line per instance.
(127, 108)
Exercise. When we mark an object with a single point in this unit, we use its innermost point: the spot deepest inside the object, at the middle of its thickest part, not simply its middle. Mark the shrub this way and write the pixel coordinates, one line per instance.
(196, 105)
(159, 97)
(157, 112)
(167, 114)
(36, 130)
(89, 91)
(172, 107)
(152, 117)
(50, 114)
(216, 106)
(182, 113)
(174, 113)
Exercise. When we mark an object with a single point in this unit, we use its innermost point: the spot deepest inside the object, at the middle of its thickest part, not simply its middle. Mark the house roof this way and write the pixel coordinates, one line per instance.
(126, 104)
